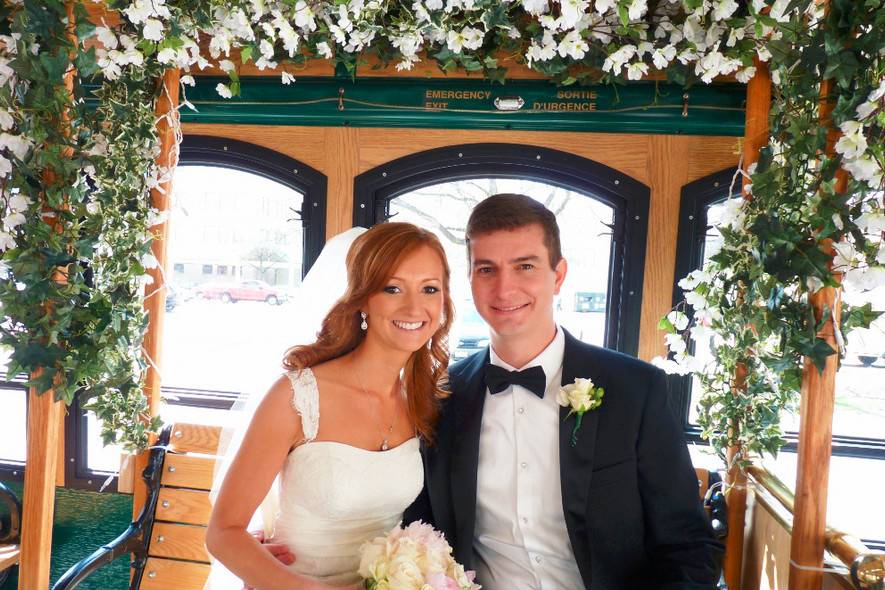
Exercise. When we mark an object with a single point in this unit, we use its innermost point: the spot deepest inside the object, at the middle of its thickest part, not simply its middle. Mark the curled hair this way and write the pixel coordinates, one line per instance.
(372, 259)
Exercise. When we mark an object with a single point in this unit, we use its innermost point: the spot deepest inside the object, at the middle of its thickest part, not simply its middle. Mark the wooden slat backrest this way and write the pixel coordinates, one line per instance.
(166, 574)
(187, 506)
(194, 438)
(179, 541)
(177, 546)
(188, 471)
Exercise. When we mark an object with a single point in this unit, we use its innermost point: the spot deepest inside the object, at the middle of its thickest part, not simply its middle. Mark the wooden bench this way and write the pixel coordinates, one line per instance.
(10, 531)
(167, 540)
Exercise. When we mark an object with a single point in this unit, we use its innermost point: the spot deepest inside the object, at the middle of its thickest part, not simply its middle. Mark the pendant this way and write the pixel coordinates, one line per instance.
(384, 445)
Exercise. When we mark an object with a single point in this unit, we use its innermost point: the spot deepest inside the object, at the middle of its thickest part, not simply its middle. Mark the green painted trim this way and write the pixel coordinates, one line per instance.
(639, 107)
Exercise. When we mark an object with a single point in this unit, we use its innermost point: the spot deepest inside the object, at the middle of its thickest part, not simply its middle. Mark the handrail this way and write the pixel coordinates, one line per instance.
(867, 566)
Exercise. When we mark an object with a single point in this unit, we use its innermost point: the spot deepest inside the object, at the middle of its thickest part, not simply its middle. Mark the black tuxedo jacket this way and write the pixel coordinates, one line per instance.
(629, 492)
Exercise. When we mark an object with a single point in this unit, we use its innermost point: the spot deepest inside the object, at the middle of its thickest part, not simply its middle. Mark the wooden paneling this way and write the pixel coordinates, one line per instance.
(195, 438)
(187, 506)
(163, 574)
(666, 181)
(343, 147)
(185, 471)
(664, 163)
(766, 559)
(179, 541)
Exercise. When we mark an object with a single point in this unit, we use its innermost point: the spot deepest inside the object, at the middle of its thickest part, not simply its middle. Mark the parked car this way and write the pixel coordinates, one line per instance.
(171, 297)
(471, 333)
(252, 290)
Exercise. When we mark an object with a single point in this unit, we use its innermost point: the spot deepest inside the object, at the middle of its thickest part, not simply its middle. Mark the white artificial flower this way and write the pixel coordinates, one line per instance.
(662, 56)
(814, 284)
(287, 78)
(266, 48)
(19, 202)
(434, 4)
(852, 144)
(696, 300)
(93, 207)
(324, 50)
(223, 90)
(665, 364)
(637, 70)
(614, 62)
(226, 66)
(733, 213)
(837, 221)
(153, 30)
(871, 222)
(455, 41)
(678, 319)
(700, 333)
(636, 9)
(6, 241)
(304, 16)
(571, 12)
(603, 6)
(880, 255)
(723, 9)
(6, 120)
(13, 220)
(573, 45)
(865, 279)
(845, 256)
(17, 144)
(5, 166)
(106, 37)
(188, 80)
(535, 7)
(744, 75)
(167, 55)
(675, 342)
(865, 109)
(695, 278)
(864, 169)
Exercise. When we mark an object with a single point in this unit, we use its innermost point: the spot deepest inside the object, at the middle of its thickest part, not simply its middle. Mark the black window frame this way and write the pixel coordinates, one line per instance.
(629, 198)
(201, 151)
(695, 200)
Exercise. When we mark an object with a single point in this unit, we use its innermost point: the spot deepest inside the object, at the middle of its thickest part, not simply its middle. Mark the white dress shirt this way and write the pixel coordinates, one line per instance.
(521, 541)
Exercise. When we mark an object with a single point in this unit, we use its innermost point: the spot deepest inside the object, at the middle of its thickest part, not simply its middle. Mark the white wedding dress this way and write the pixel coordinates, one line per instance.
(333, 496)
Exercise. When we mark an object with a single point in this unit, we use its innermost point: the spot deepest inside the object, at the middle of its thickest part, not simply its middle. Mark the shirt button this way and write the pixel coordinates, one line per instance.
(525, 520)
(524, 465)
(537, 559)
(521, 410)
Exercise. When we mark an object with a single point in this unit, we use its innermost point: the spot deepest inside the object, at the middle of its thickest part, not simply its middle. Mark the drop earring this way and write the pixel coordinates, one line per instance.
(364, 325)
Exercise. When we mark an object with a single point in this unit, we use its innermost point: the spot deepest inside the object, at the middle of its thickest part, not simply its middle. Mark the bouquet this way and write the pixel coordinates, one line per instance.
(416, 557)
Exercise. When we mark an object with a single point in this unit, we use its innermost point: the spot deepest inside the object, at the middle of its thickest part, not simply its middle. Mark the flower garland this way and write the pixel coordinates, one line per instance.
(88, 331)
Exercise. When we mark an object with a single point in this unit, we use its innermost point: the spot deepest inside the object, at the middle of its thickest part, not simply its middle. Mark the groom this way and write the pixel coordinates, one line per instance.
(521, 504)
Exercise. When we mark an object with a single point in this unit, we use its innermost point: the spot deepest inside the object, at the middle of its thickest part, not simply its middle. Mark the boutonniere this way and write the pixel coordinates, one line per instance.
(580, 397)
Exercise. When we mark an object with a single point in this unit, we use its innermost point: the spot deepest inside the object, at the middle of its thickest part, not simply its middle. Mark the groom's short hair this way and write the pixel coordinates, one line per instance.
(508, 211)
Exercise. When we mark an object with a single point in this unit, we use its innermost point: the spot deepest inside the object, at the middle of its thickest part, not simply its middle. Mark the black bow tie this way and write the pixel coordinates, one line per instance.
(498, 379)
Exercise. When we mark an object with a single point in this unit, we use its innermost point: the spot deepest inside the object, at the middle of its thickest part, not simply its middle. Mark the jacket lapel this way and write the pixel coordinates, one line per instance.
(576, 462)
(465, 455)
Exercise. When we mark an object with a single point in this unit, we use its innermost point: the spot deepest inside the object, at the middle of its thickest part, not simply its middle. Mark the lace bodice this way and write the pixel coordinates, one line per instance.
(334, 497)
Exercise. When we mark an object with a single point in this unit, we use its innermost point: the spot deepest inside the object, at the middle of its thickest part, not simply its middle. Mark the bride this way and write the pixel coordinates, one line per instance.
(341, 428)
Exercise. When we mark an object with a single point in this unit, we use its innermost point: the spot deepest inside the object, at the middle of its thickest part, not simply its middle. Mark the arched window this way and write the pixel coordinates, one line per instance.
(245, 225)
(602, 215)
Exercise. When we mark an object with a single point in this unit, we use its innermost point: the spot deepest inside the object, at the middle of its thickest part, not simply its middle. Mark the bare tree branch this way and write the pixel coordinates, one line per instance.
(445, 231)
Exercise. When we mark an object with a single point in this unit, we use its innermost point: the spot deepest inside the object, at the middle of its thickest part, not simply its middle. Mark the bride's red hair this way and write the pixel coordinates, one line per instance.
(371, 261)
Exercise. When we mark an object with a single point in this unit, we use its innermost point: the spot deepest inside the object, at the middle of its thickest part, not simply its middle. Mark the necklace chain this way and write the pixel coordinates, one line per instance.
(379, 424)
